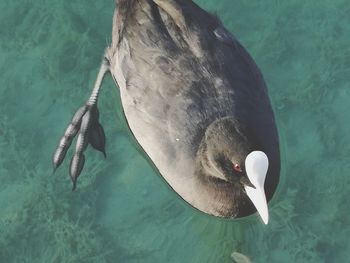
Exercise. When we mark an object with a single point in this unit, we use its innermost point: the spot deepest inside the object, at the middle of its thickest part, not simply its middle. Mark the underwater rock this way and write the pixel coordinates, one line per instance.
(240, 258)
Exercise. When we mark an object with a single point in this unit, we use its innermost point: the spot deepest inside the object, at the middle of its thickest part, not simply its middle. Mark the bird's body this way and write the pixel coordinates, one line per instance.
(177, 75)
(194, 100)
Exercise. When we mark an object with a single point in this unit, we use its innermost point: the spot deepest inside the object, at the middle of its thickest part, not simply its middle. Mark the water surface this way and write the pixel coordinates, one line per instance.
(123, 211)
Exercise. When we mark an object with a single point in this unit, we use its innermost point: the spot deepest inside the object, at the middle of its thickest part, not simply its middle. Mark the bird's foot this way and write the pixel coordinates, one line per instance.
(85, 123)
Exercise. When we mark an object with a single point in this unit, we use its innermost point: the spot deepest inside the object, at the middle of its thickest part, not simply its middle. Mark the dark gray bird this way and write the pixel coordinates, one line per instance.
(195, 101)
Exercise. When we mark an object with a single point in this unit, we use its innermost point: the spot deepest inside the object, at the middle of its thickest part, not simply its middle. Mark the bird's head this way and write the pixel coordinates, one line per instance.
(230, 154)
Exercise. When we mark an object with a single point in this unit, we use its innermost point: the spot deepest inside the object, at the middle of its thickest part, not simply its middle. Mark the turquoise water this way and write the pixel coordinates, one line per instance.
(50, 52)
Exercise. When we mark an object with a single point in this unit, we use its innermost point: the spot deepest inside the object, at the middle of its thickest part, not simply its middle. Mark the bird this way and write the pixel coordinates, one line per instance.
(195, 101)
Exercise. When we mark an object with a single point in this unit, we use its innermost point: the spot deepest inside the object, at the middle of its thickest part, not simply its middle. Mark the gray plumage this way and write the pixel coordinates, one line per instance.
(179, 72)
(196, 103)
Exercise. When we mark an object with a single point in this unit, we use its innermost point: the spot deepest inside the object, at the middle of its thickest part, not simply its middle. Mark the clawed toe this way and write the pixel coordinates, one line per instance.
(68, 137)
(97, 138)
(85, 124)
(76, 166)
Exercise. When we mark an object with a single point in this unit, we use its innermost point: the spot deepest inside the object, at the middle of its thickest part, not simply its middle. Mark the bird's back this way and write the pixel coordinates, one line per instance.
(179, 70)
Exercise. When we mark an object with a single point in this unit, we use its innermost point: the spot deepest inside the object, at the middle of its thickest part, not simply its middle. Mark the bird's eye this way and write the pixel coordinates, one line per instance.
(237, 167)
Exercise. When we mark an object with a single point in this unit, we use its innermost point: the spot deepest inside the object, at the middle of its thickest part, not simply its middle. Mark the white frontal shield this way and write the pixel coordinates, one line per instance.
(256, 165)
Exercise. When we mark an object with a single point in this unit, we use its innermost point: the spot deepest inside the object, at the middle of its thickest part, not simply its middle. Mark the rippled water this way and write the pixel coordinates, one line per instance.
(50, 52)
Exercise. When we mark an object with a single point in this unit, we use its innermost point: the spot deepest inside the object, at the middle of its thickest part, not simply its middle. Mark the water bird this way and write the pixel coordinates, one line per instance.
(195, 101)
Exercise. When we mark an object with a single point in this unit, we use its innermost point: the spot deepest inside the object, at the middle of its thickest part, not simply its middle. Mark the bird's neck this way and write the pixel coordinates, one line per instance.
(215, 192)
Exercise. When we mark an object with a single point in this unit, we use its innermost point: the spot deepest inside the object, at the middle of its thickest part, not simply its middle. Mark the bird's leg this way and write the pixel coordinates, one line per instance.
(85, 123)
